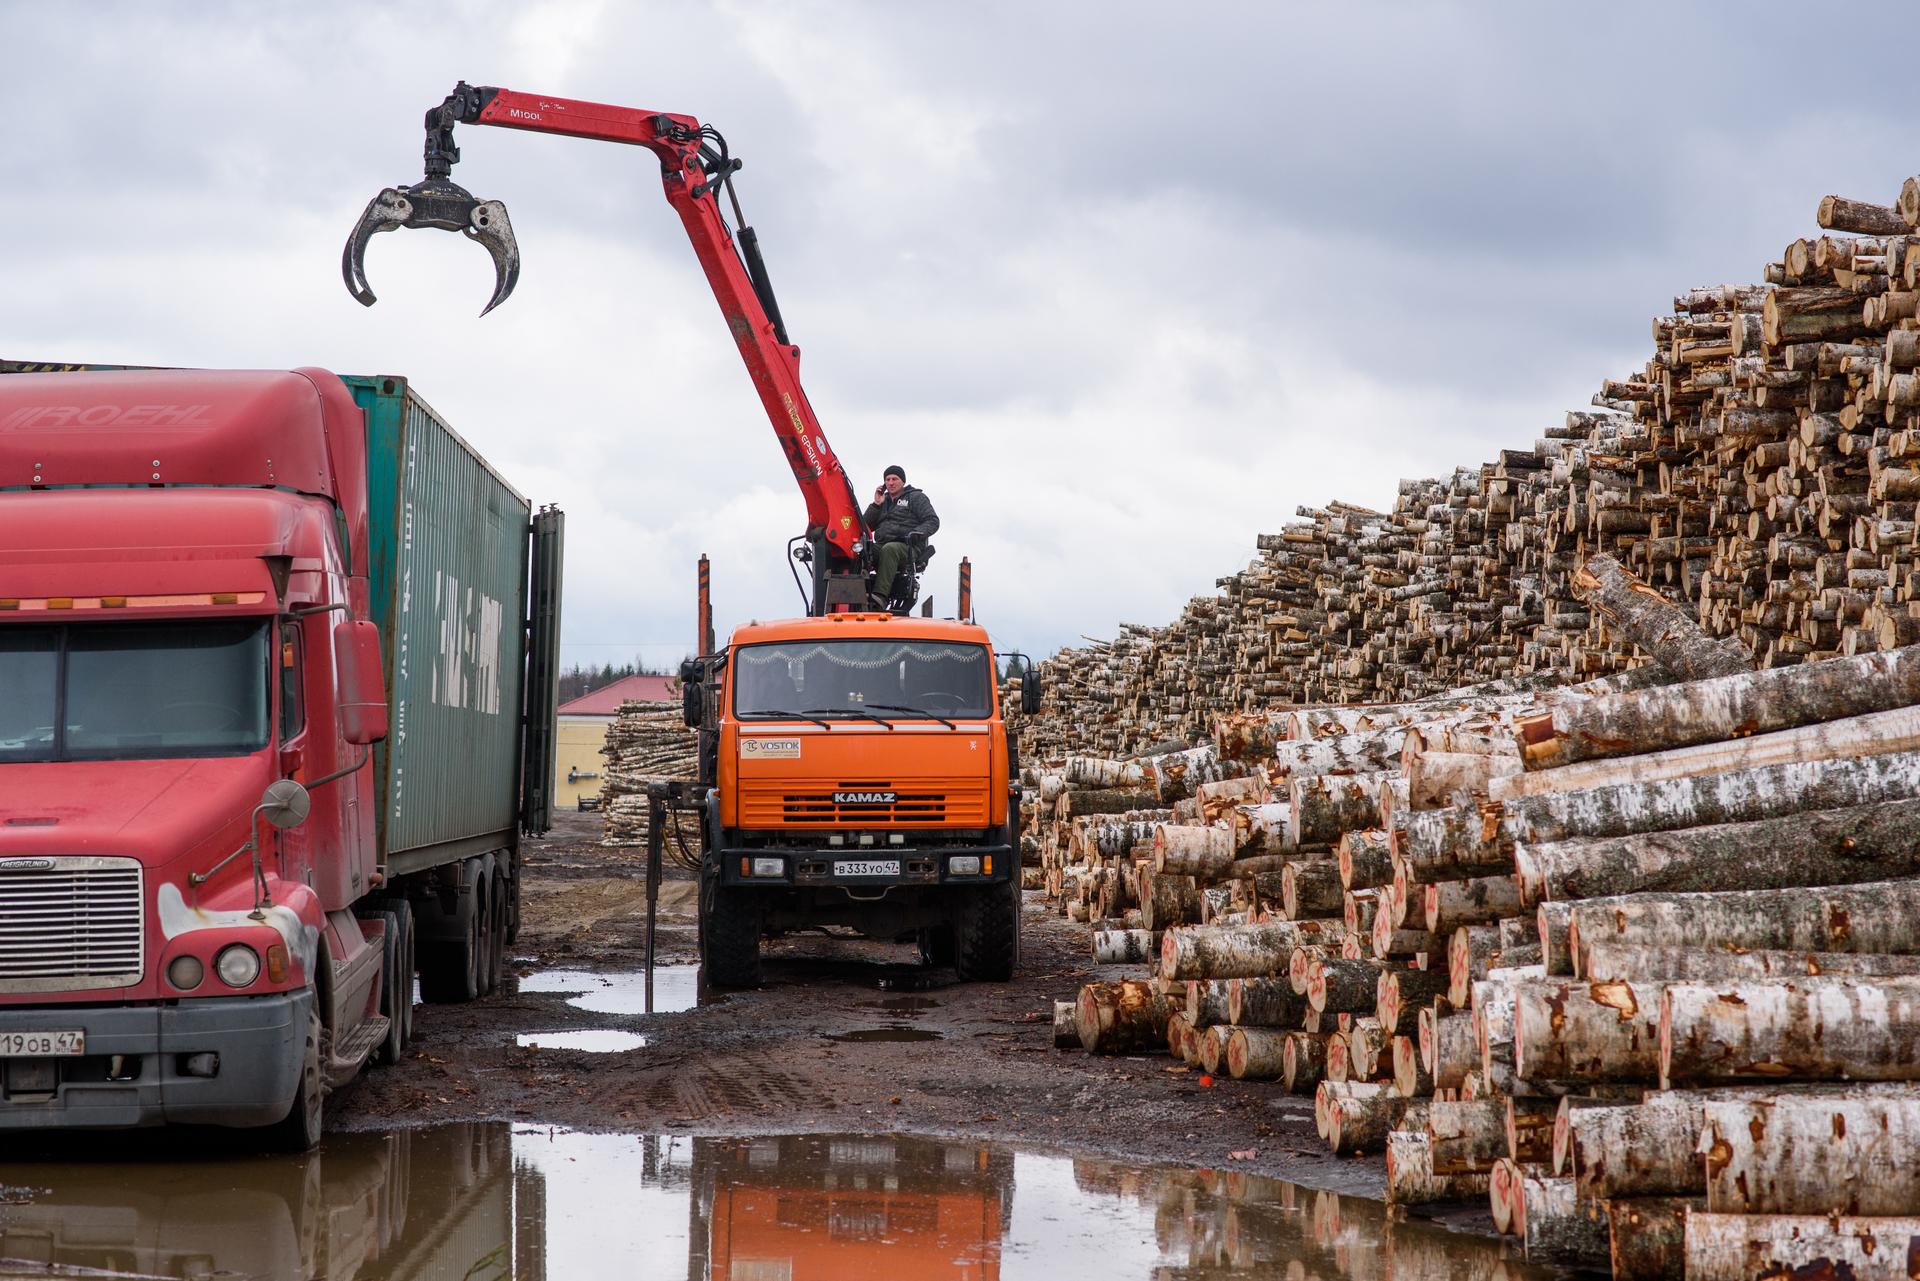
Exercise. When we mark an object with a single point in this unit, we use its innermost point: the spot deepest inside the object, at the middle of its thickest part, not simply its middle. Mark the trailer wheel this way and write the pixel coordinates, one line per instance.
(450, 970)
(496, 937)
(986, 931)
(730, 927)
(299, 1130)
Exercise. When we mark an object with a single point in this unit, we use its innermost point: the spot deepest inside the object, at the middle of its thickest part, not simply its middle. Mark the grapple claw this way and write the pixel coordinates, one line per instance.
(444, 206)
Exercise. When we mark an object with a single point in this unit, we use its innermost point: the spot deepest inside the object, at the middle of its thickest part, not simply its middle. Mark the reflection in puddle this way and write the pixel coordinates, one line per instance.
(597, 1040)
(489, 1203)
(675, 988)
(906, 1007)
(892, 1032)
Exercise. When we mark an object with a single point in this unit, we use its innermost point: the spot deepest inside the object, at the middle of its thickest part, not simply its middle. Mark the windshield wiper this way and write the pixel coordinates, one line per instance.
(917, 711)
(855, 711)
(781, 711)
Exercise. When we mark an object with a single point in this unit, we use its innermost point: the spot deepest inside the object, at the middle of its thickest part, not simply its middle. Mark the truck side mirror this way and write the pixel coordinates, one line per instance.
(285, 803)
(1030, 691)
(693, 703)
(360, 690)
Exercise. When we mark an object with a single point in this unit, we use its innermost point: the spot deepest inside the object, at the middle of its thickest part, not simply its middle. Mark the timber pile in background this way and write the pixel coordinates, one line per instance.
(647, 743)
(1630, 952)
(1640, 966)
(1762, 469)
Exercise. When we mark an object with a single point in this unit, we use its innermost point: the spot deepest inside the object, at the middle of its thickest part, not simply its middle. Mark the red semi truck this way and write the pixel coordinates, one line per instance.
(277, 676)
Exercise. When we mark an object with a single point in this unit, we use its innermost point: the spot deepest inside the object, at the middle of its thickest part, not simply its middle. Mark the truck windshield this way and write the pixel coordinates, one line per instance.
(111, 691)
(821, 677)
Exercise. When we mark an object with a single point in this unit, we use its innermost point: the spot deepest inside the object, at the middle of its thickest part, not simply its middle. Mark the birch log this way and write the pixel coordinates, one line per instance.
(1304, 1062)
(1647, 1236)
(1257, 1053)
(1645, 617)
(1122, 1018)
(1602, 962)
(1569, 1031)
(1740, 1247)
(1239, 951)
(1410, 1176)
(1724, 707)
(1204, 853)
(1264, 1003)
(1449, 905)
(1125, 947)
(1830, 1029)
(1812, 1156)
(1825, 847)
(1323, 807)
(1467, 1138)
(1875, 917)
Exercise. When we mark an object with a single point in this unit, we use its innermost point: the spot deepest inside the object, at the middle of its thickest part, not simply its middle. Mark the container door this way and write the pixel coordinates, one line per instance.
(543, 670)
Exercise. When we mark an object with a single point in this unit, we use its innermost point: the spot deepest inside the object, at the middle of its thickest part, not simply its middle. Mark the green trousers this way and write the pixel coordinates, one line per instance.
(893, 558)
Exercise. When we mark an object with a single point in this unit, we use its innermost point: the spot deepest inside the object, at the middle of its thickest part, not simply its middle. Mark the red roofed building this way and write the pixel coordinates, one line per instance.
(583, 729)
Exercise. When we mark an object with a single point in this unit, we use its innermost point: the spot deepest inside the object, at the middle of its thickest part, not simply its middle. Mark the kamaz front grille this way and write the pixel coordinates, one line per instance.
(953, 805)
(69, 923)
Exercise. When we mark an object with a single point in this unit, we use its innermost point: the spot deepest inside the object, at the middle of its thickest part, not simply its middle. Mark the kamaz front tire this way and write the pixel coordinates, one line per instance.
(730, 937)
(986, 934)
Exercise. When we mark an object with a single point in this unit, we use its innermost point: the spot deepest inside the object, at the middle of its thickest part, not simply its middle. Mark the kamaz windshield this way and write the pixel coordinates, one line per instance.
(895, 678)
(107, 691)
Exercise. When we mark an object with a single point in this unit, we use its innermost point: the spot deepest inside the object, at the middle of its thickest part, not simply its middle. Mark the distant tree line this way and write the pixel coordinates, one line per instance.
(584, 679)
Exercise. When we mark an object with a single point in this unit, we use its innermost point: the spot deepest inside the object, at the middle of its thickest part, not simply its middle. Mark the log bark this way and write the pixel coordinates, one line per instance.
(1411, 1079)
(1448, 1045)
(1724, 707)
(1448, 844)
(1361, 1123)
(1647, 1236)
(1400, 995)
(1349, 754)
(1264, 1003)
(1330, 1092)
(1555, 922)
(1467, 1137)
(1259, 829)
(1257, 1053)
(1066, 1027)
(1881, 916)
(1208, 1001)
(1569, 1031)
(1601, 962)
(1439, 779)
(1449, 905)
(1828, 1029)
(1824, 847)
(1735, 796)
(1336, 986)
(1169, 901)
(1894, 731)
(1125, 947)
(1326, 806)
(1555, 1226)
(1812, 1156)
(1529, 1128)
(1175, 775)
(1389, 943)
(1366, 858)
(1740, 1247)
(1312, 889)
(1837, 213)
(1410, 1177)
(1642, 615)
(1204, 853)
(1239, 951)
(1122, 1018)
(1305, 1062)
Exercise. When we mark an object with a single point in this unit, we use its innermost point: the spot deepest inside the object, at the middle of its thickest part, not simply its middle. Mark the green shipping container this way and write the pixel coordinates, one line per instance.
(449, 556)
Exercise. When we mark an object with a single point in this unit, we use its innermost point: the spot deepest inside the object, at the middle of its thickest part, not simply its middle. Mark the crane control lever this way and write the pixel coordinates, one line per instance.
(439, 203)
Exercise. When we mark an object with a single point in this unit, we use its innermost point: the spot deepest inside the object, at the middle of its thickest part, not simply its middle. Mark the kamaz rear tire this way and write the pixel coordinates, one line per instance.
(986, 934)
(730, 929)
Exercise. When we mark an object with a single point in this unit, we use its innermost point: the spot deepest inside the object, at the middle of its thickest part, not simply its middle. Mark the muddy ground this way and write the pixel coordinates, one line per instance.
(980, 1061)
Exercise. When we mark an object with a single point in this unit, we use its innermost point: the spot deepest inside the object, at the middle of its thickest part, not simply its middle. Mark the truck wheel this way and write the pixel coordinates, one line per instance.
(986, 930)
(396, 994)
(730, 937)
(450, 971)
(497, 920)
(299, 1130)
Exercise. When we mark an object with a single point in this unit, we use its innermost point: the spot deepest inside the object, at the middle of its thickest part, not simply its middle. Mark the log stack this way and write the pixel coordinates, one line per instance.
(1760, 470)
(647, 743)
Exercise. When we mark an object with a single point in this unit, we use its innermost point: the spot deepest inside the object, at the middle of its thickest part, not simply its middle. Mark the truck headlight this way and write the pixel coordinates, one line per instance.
(769, 867)
(186, 972)
(237, 965)
(964, 865)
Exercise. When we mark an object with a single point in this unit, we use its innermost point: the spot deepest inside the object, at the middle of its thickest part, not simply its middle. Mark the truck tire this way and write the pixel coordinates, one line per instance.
(498, 919)
(730, 927)
(450, 970)
(299, 1130)
(986, 934)
(396, 991)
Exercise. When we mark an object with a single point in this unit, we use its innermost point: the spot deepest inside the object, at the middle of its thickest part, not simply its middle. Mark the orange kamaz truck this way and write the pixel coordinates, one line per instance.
(857, 773)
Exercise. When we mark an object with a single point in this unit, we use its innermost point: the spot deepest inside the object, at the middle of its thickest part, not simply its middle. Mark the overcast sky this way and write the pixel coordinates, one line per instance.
(1119, 284)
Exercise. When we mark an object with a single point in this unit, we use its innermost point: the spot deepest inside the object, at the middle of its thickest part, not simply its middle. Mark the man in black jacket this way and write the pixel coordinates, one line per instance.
(902, 520)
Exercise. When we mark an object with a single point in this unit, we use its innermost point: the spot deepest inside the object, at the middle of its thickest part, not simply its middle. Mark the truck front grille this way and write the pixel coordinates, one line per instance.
(76, 924)
(932, 803)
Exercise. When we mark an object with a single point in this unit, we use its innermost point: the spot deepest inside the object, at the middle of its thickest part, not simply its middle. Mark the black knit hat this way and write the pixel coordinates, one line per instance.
(895, 470)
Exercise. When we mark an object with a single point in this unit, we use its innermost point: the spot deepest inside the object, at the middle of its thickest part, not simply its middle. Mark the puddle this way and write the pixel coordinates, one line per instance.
(907, 1007)
(675, 988)
(594, 1040)
(490, 1202)
(896, 1032)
